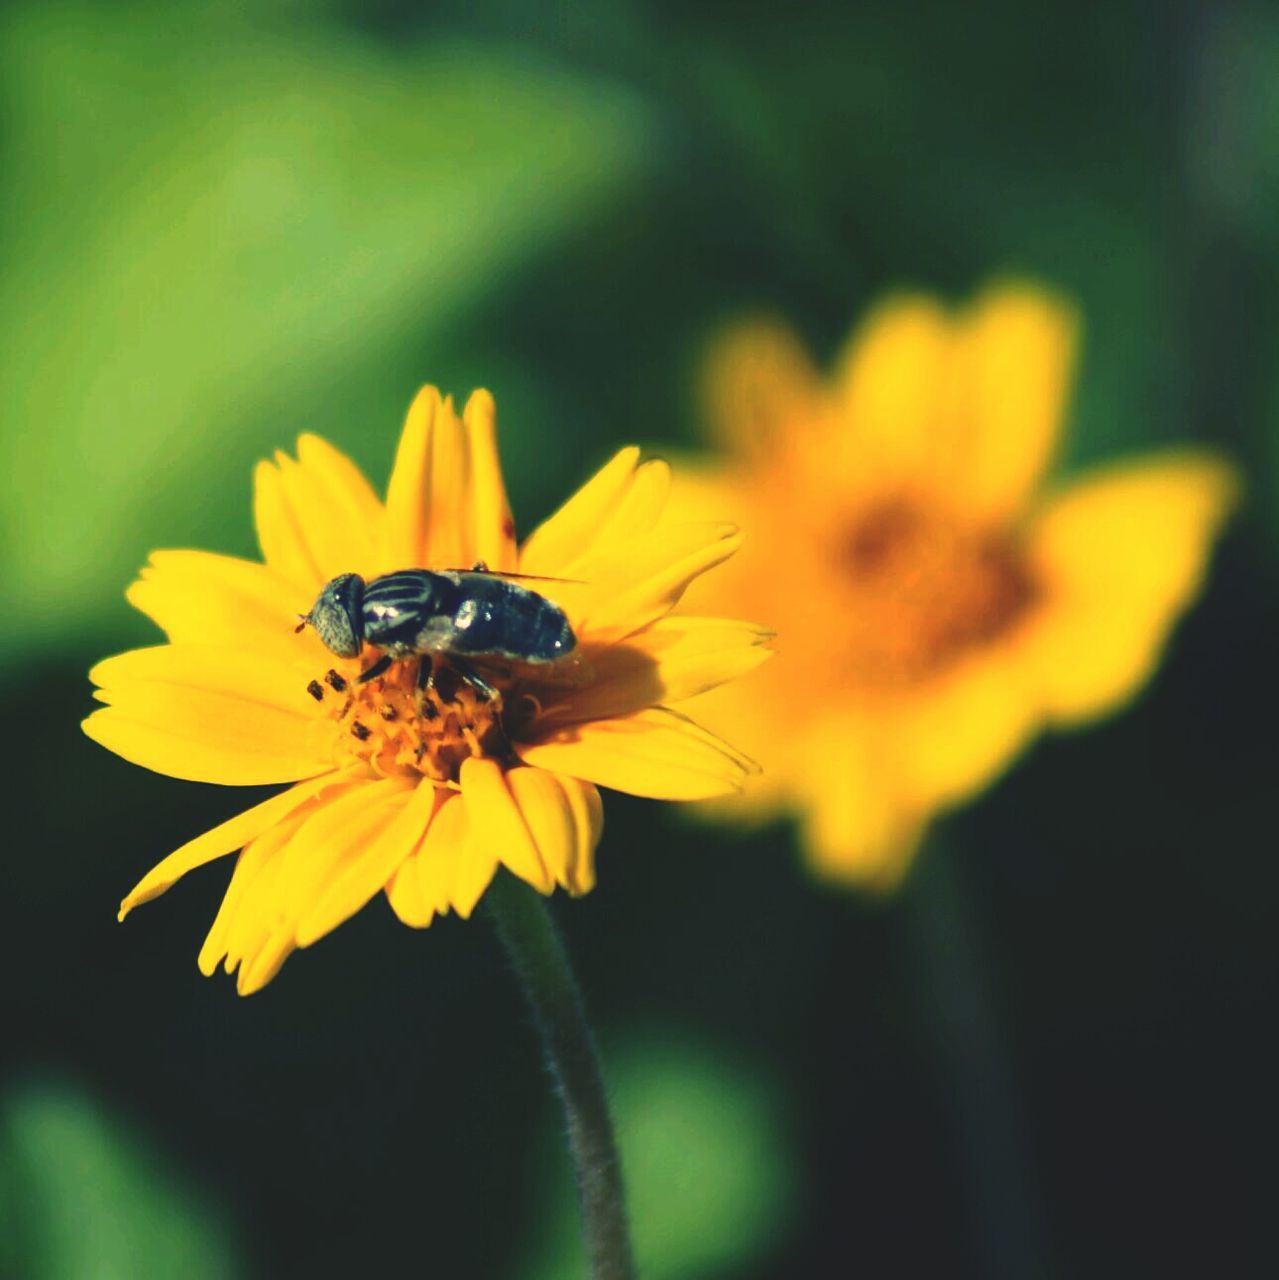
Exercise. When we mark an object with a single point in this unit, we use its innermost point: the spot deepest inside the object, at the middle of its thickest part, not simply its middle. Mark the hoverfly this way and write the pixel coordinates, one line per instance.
(462, 615)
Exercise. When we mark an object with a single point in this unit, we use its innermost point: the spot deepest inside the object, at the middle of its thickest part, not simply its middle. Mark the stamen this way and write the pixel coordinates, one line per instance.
(401, 726)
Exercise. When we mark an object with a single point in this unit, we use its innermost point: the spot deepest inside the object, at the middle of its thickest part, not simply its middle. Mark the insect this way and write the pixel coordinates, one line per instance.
(459, 614)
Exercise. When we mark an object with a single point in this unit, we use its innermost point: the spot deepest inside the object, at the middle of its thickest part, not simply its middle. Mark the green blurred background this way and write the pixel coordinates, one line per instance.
(222, 225)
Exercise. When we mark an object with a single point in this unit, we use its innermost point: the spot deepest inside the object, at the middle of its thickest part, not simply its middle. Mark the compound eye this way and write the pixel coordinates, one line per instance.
(336, 616)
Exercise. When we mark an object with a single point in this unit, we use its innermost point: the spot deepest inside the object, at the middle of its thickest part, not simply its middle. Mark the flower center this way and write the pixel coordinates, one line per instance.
(416, 718)
(927, 590)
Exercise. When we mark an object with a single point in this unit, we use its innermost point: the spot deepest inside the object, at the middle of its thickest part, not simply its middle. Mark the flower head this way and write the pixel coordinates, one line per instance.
(421, 780)
(937, 601)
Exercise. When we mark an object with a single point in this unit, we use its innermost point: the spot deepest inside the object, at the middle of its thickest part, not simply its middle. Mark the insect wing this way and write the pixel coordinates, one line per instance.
(517, 577)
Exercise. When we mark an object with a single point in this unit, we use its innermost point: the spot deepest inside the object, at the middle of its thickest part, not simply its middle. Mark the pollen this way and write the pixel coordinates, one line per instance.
(926, 589)
(404, 725)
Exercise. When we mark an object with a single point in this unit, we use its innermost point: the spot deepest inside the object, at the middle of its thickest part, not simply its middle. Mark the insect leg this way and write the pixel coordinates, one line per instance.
(477, 682)
(484, 692)
(378, 668)
(425, 680)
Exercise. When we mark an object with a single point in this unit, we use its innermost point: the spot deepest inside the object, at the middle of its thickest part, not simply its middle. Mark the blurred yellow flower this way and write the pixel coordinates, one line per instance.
(936, 605)
(420, 792)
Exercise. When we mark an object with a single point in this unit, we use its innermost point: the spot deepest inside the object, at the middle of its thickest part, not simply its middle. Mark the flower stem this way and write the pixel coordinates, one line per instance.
(958, 999)
(541, 964)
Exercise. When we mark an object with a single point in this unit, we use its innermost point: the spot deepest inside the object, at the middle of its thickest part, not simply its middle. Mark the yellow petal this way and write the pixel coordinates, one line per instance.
(633, 584)
(450, 542)
(446, 488)
(564, 818)
(562, 538)
(197, 597)
(435, 862)
(452, 870)
(952, 737)
(280, 533)
(410, 486)
(637, 507)
(266, 681)
(404, 893)
(367, 869)
(248, 866)
(225, 838)
(352, 515)
(967, 409)
(211, 715)
(662, 568)
(638, 511)
(325, 846)
(474, 873)
(709, 487)
(261, 928)
(495, 823)
(820, 767)
(1119, 555)
(856, 829)
(327, 538)
(770, 726)
(252, 922)
(588, 818)
(1015, 353)
(760, 388)
(656, 753)
(546, 817)
(258, 970)
(760, 578)
(673, 659)
(870, 851)
(494, 528)
(892, 385)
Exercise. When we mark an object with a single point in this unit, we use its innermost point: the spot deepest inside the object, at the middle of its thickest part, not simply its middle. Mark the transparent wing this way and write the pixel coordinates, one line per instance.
(515, 577)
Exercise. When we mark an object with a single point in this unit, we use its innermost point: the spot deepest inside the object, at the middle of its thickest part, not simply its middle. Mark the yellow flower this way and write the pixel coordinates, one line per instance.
(936, 605)
(421, 792)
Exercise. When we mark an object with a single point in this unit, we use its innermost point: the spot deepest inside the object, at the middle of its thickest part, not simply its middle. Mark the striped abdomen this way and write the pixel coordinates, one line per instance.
(470, 614)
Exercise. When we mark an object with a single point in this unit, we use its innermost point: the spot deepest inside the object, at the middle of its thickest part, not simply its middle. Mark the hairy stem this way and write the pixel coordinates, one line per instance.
(541, 964)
